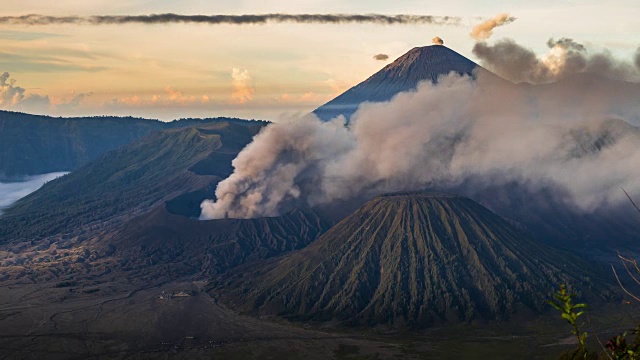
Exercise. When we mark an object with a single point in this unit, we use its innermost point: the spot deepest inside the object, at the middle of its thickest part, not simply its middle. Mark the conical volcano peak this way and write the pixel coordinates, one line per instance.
(426, 63)
(414, 259)
(436, 58)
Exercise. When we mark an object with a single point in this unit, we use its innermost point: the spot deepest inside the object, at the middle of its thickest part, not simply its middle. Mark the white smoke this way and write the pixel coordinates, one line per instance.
(568, 134)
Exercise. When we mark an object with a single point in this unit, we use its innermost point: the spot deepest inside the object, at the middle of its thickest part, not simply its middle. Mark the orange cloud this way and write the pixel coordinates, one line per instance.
(333, 87)
(243, 90)
(15, 97)
(170, 97)
(484, 30)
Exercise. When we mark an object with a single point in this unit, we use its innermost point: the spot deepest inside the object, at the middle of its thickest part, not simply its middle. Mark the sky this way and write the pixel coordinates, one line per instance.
(273, 71)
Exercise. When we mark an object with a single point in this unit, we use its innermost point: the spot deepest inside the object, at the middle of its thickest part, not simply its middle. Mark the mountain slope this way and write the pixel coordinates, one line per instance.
(210, 247)
(409, 259)
(34, 144)
(129, 180)
(404, 74)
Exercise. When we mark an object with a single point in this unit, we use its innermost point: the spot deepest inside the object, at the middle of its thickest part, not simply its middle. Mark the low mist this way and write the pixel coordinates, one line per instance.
(574, 135)
(11, 192)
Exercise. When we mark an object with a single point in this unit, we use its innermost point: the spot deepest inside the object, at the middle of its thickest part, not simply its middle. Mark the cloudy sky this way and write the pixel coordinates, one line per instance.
(268, 71)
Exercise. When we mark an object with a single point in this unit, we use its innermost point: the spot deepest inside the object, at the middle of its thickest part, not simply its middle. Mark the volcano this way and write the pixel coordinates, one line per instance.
(404, 74)
(412, 260)
(212, 246)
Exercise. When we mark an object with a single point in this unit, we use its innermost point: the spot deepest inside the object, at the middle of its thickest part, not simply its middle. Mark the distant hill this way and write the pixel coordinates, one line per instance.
(410, 260)
(34, 144)
(175, 164)
(404, 74)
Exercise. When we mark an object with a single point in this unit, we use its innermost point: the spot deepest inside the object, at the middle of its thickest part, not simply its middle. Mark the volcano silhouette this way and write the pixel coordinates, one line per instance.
(404, 74)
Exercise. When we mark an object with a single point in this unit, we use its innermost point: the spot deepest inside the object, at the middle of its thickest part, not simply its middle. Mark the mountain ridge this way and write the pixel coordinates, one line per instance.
(131, 179)
(37, 144)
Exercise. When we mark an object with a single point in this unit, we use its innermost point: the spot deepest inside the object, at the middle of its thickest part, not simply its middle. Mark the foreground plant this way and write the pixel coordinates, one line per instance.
(621, 350)
(618, 346)
(570, 312)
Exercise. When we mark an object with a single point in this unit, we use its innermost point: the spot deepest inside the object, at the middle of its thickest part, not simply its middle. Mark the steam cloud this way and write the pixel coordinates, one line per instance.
(486, 131)
(484, 30)
(437, 40)
(381, 57)
(34, 19)
(565, 57)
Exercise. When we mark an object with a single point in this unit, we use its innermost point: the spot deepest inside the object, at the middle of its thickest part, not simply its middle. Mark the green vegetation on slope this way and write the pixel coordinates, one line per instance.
(129, 179)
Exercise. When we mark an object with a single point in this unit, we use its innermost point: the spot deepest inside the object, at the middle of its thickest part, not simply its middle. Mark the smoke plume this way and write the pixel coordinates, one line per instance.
(564, 58)
(34, 19)
(381, 57)
(484, 30)
(460, 131)
(437, 40)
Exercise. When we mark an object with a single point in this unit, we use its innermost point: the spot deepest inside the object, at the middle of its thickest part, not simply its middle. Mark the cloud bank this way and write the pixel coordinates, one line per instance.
(169, 98)
(249, 19)
(442, 137)
(16, 98)
(12, 96)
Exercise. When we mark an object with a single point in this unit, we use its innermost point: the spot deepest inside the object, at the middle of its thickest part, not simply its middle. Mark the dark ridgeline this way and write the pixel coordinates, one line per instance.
(35, 144)
(410, 260)
(181, 166)
(404, 74)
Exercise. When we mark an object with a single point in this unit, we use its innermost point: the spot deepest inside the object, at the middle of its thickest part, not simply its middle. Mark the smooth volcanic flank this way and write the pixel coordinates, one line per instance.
(404, 74)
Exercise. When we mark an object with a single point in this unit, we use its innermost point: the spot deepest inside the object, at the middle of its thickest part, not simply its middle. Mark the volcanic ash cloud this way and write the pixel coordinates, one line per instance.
(441, 136)
(484, 30)
(437, 41)
(565, 57)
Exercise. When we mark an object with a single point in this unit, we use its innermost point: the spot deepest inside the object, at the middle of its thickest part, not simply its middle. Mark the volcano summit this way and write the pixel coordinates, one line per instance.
(404, 74)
